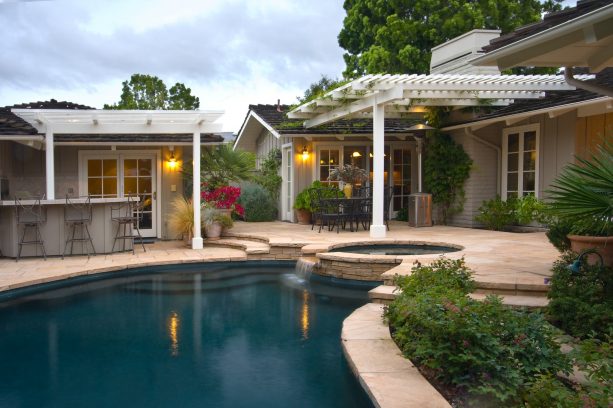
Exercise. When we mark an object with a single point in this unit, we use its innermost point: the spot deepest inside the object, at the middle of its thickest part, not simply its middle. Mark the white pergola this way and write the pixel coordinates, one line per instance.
(70, 121)
(397, 96)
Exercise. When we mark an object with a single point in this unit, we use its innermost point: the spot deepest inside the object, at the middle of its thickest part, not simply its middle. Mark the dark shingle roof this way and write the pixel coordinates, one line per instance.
(550, 20)
(50, 104)
(11, 124)
(282, 124)
(551, 99)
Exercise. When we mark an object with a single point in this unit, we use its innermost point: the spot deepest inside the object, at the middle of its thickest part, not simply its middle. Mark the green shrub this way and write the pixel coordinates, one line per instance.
(581, 303)
(557, 233)
(268, 175)
(403, 214)
(258, 204)
(495, 214)
(484, 349)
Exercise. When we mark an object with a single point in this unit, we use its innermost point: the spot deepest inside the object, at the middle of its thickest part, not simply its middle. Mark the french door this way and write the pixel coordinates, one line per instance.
(114, 174)
(287, 187)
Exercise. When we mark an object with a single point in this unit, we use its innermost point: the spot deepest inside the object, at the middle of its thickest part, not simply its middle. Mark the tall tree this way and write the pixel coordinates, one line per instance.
(319, 88)
(396, 36)
(147, 92)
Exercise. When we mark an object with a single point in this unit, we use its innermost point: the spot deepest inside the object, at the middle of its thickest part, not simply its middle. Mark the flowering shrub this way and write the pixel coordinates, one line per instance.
(486, 350)
(224, 197)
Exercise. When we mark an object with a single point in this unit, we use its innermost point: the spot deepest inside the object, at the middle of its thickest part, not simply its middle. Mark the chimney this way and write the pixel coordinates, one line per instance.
(453, 56)
(279, 105)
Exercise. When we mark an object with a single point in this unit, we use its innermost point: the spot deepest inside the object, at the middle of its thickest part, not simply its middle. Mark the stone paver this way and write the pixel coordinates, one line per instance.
(390, 380)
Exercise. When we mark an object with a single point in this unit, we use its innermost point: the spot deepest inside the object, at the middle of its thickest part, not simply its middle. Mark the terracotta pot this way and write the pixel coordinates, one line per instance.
(604, 246)
(187, 238)
(213, 231)
(304, 216)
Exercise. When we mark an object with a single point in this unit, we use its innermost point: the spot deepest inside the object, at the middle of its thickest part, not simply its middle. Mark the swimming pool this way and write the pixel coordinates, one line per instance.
(212, 335)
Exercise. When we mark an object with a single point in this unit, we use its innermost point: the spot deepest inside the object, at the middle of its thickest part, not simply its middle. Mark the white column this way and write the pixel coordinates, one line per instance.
(49, 165)
(197, 242)
(420, 149)
(377, 228)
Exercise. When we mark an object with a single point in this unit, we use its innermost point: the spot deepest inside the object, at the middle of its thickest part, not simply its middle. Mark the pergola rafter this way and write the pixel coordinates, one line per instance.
(382, 96)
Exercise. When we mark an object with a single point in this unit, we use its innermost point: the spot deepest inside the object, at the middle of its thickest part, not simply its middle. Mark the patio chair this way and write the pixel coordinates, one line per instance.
(331, 214)
(30, 217)
(78, 215)
(128, 215)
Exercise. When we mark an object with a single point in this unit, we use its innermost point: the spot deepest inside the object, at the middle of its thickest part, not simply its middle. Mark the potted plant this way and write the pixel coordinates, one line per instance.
(582, 198)
(224, 198)
(214, 222)
(349, 175)
(302, 205)
(181, 219)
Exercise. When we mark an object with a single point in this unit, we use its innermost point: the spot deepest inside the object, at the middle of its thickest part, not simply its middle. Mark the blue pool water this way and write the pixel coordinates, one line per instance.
(396, 249)
(213, 336)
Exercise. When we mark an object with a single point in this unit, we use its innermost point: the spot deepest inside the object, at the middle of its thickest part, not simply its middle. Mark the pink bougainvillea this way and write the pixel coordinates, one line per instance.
(224, 198)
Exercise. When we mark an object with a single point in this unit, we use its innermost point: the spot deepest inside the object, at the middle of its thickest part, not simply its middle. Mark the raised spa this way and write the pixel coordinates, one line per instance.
(211, 335)
(396, 249)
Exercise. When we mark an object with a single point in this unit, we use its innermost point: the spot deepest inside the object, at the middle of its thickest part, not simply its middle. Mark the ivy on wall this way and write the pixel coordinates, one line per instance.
(446, 169)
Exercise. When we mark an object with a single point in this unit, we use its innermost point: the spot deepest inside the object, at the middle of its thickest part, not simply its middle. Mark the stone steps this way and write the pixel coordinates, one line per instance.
(386, 293)
(250, 247)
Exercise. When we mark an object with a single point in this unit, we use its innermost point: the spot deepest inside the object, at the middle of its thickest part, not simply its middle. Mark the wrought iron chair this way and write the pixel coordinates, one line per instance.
(31, 217)
(78, 215)
(128, 215)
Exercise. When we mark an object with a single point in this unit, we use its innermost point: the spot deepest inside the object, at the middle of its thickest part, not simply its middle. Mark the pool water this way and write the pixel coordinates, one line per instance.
(396, 249)
(217, 336)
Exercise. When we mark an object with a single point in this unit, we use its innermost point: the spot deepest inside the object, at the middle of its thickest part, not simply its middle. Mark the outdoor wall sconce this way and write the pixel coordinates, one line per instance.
(575, 267)
(172, 161)
(305, 153)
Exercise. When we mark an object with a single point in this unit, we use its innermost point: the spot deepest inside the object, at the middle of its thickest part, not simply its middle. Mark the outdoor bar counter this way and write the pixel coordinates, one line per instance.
(102, 229)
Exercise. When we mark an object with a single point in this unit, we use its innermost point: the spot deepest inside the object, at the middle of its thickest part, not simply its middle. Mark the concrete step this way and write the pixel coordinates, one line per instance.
(250, 247)
(386, 293)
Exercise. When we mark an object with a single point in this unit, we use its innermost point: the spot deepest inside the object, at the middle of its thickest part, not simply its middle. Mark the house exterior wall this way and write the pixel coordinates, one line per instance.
(24, 167)
(264, 144)
(556, 149)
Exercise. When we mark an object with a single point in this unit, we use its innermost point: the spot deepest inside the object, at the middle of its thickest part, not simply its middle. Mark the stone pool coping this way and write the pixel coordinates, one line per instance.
(389, 379)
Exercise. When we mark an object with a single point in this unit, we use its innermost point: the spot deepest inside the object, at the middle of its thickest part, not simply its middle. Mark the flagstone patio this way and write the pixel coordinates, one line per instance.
(502, 259)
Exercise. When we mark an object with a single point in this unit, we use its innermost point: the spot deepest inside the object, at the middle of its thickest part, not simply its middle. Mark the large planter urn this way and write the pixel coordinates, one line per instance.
(303, 216)
(348, 190)
(213, 231)
(604, 246)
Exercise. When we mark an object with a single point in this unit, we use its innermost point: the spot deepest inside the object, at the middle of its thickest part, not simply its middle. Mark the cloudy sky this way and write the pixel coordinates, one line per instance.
(230, 52)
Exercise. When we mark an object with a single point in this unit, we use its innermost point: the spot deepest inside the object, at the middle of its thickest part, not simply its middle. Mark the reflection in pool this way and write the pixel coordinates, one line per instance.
(212, 336)
(396, 249)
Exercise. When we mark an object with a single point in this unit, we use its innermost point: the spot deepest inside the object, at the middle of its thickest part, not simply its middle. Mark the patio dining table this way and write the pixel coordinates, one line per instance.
(352, 209)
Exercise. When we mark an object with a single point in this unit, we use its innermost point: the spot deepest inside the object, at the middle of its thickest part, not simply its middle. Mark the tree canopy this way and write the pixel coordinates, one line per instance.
(396, 36)
(319, 88)
(147, 92)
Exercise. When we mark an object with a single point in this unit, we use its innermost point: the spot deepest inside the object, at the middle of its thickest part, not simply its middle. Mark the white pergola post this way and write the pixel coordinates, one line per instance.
(377, 228)
(49, 166)
(197, 242)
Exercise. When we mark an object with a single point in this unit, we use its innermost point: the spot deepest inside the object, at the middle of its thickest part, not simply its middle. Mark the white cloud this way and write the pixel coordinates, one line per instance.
(230, 52)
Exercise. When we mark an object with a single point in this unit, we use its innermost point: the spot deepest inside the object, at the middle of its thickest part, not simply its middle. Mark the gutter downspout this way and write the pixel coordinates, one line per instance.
(498, 155)
(571, 80)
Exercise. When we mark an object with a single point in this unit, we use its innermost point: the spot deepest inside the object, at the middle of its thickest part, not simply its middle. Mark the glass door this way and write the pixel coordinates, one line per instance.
(139, 181)
(401, 177)
(286, 191)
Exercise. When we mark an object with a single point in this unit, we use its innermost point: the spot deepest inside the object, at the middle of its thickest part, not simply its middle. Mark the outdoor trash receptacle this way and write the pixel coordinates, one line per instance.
(420, 210)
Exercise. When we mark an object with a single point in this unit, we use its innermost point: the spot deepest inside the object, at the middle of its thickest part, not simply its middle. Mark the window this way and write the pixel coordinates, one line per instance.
(102, 177)
(329, 159)
(520, 161)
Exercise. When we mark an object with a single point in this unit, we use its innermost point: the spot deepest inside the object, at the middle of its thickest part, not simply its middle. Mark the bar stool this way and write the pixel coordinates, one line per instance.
(127, 215)
(78, 215)
(30, 216)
